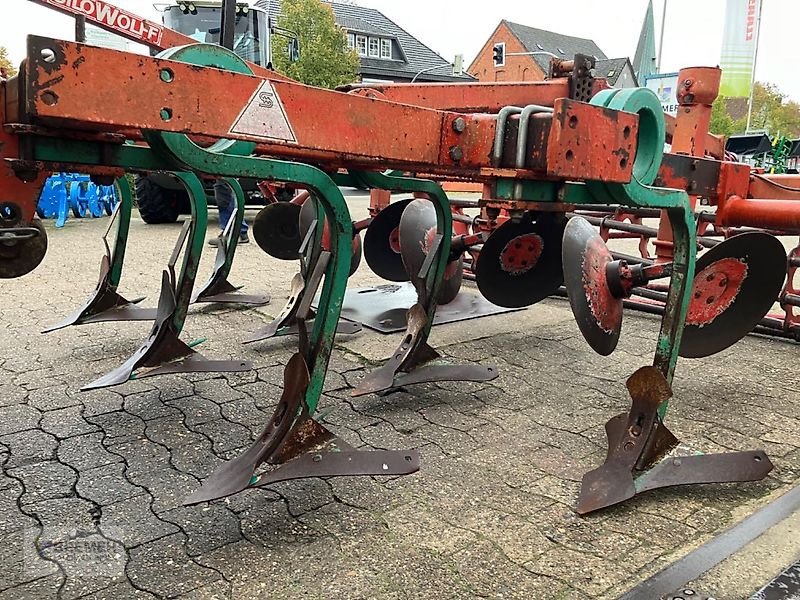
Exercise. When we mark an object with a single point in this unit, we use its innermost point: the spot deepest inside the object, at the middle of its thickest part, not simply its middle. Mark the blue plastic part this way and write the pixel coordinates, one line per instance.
(65, 192)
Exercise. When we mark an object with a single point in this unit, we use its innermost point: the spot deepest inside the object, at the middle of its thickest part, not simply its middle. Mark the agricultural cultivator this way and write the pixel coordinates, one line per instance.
(65, 192)
(542, 152)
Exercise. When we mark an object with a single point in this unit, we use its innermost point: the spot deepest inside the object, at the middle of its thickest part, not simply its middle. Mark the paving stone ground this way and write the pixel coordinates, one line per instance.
(92, 482)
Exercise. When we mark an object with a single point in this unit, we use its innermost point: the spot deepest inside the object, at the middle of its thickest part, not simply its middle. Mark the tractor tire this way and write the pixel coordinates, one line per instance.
(158, 204)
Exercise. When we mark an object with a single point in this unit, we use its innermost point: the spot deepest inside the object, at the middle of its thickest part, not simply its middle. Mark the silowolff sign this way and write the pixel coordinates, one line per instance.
(738, 47)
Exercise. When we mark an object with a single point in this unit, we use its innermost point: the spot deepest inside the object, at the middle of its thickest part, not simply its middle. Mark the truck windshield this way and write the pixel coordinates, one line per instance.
(205, 28)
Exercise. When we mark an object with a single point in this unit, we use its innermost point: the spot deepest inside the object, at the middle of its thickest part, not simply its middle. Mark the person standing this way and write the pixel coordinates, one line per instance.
(226, 204)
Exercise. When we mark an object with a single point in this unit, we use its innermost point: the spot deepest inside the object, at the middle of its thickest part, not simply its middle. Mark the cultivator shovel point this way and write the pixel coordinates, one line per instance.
(218, 288)
(643, 454)
(163, 352)
(520, 263)
(421, 250)
(106, 304)
(276, 230)
(294, 446)
(382, 243)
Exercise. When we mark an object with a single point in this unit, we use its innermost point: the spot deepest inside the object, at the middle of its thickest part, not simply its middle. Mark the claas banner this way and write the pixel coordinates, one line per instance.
(738, 47)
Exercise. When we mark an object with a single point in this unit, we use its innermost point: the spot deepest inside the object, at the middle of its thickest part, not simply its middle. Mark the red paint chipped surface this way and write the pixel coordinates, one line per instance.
(521, 254)
(714, 290)
(606, 310)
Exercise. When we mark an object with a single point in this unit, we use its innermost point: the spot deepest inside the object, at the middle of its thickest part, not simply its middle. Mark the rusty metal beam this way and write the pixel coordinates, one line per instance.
(467, 97)
(284, 118)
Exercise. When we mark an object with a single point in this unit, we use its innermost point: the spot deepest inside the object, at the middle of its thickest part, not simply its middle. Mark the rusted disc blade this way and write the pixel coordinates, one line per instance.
(417, 235)
(382, 243)
(453, 276)
(735, 284)
(276, 230)
(308, 214)
(356, 251)
(23, 256)
(597, 312)
(520, 263)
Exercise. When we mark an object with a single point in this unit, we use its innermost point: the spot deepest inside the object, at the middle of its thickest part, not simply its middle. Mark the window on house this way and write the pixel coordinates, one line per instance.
(540, 47)
(361, 45)
(560, 51)
(386, 48)
(374, 47)
(351, 41)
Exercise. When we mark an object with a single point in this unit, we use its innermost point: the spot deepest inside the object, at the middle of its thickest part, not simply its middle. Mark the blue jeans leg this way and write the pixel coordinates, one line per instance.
(226, 203)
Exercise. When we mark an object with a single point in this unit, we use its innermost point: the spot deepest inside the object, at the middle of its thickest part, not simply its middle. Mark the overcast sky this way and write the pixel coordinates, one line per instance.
(693, 35)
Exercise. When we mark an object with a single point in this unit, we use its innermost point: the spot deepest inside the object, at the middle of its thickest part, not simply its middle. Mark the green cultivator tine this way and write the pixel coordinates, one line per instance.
(106, 304)
(218, 288)
(321, 338)
(163, 352)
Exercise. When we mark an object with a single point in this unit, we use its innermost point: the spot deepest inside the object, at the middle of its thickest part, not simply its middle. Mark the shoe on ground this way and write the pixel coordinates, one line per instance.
(243, 239)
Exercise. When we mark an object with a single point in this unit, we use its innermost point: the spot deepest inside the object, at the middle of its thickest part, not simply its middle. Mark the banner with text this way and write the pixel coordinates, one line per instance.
(738, 47)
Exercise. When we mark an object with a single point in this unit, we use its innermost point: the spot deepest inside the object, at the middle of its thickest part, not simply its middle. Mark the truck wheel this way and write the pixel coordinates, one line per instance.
(157, 204)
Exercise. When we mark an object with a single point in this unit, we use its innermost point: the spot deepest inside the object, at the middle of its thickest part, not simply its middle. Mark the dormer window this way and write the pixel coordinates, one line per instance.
(374, 47)
(361, 45)
(368, 46)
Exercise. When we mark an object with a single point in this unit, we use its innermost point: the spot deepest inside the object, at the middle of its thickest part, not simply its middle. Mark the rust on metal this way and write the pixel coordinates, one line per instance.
(715, 288)
(605, 308)
(579, 130)
(521, 254)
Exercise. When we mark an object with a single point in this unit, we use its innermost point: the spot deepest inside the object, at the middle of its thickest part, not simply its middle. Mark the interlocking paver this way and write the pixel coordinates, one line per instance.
(45, 480)
(28, 447)
(18, 417)
(133, 522)
(490, 514)
(164, 569)
(106, 484)
(85, 452)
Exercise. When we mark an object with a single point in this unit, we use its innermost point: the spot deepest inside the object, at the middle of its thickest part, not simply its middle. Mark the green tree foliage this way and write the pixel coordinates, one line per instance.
(6, 63)
(325, 60)
(772, 112)
(721, 122)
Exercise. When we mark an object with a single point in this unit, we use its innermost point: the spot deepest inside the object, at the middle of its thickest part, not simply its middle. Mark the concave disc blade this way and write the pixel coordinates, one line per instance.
(520, 263)
(417, 235)
(382, 243)
(355, 261)
(308, 214)
(276, 230)
(735, 284)
(23, 256)
(597, 312)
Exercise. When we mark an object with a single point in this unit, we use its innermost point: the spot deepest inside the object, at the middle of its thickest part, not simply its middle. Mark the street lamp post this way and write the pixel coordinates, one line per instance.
(430, 69)
(755, 62)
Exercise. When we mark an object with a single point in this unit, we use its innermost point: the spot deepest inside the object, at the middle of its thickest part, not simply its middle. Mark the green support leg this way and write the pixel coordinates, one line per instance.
(408, 364)
(639, 444)
(218, 288)
(106, 304)
(163, 352)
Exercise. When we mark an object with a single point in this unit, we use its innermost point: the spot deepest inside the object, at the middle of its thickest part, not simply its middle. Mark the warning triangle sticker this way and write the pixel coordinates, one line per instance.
(264, 116)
